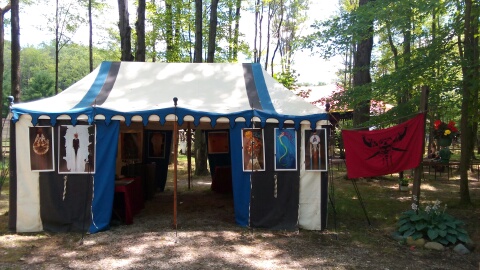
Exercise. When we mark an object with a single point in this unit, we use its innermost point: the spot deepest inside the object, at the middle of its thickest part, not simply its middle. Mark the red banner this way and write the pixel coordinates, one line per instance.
(384, 151)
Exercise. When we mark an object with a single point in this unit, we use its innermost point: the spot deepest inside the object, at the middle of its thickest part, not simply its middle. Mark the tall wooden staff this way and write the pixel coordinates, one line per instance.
(175, 153)
(189, 154)
(418, 170)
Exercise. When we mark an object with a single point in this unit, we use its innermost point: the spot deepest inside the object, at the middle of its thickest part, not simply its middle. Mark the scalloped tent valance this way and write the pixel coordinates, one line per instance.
(206, 92)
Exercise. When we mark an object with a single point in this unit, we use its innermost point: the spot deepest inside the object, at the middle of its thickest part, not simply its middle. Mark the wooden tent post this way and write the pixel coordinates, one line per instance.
(417, 176)
(189, 154)
(175, 153)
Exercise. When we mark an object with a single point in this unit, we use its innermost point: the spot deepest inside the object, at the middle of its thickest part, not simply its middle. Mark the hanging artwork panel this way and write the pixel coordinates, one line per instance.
(253, 149)
(156, 144)
(131, 146)
(76, 149)
(41, 148)
(285, 149)
(316, 150)
(218, 142)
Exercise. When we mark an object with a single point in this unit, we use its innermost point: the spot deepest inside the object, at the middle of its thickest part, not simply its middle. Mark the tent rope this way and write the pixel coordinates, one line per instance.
(394, 121)
(65, 178)
(89, 176)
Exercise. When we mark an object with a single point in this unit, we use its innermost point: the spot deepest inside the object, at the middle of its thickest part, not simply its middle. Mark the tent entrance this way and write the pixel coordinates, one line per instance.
(146, 153)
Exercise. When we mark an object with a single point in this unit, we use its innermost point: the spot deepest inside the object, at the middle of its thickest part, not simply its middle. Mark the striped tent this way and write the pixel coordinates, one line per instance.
(54, 194)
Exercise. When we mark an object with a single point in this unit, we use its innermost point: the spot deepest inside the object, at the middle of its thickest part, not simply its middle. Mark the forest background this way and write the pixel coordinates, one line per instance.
(391, 51)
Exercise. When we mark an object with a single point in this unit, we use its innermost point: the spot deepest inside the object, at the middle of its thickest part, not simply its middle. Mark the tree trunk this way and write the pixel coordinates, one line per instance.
(169, 30)
(57, 50)
(15, 28)
(470, 72)
(361, 75)
(260, 24)
(255, 52)
(90, 36)
(236, 32)
(15, 93)
(230, 32)
(271, 13)
(125, 31)
(200, 153)
(199, 144)
(154, 35)
(212, 34)
(197, 54)
(278, 36)
(140, 27)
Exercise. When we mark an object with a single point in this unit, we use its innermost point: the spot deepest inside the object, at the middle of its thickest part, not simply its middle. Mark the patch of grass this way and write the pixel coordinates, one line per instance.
(383, 203)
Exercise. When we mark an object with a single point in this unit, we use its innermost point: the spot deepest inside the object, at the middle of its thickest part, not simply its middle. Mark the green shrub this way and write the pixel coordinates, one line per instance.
(433, 224)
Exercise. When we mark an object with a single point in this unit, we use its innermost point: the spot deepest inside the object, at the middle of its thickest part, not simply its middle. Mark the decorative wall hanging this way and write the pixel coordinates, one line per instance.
(285, 149)
(253, 149)
(41, 148)
(76, 149)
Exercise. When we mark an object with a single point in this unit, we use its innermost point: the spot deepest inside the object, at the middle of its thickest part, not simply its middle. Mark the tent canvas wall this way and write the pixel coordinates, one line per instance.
(210, 96)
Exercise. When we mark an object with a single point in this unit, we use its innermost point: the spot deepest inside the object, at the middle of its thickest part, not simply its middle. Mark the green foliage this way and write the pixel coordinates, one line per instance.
(404, 181)
(433, 224)
(287, 78)
(416, 46)
(38, 70)
(41, 85)
(4, 171)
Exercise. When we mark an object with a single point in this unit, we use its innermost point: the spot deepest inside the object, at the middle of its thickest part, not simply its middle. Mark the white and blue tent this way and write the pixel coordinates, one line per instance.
(211, 96)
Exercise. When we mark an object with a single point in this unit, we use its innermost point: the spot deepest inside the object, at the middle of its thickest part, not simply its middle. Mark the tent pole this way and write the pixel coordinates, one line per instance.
(189, 154)
(12, 170)
(417, 173)
(175, 153)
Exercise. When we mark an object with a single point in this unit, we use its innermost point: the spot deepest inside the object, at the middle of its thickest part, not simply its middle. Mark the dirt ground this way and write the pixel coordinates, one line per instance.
(208, 238)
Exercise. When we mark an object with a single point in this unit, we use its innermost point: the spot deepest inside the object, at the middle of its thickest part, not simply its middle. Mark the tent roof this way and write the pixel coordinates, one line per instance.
(206, 92)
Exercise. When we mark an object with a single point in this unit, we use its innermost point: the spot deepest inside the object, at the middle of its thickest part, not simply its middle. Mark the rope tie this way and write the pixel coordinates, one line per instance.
(64, 186)
(275, 187)
(91, 206)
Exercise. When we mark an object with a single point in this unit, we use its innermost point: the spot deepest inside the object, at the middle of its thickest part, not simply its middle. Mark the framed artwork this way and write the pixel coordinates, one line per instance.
(253, 149)
(316, 150)
(156, 144)
(131, 145)
(41, 148)
(285, 149)
(76, 151)
(218, 142)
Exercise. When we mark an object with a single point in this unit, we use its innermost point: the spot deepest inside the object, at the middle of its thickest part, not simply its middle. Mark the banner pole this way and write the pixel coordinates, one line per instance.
(419, 169)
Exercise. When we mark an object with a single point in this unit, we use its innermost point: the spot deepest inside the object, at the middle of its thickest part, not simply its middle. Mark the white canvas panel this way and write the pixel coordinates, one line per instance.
(200, 87)
(64, 100)
(28, 188)
(309, 212)
(286, 102)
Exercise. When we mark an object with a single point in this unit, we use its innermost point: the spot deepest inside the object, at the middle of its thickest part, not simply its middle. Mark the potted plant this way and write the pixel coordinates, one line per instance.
(444, 133)
(403, 183)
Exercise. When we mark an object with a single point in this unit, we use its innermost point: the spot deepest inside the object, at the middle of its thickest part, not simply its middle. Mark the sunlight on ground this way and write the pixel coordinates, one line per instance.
(407, 197)
(71, 254)
(17, 240)
(426, 186)
(203, 183)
